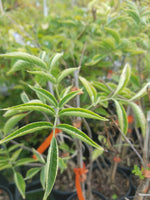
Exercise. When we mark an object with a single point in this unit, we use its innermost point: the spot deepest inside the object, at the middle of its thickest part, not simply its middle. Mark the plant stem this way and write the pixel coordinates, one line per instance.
(25, 147)
(78, 142)
(116, 164)
(50, 88)
(1, 7)
(55, 122)
(89, 177)
(147, 141)
(131, 145)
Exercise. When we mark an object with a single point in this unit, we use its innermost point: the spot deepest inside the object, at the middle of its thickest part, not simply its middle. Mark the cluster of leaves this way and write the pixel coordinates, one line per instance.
(105, 35)
(120, 28)
(138, 172)
(54, 106)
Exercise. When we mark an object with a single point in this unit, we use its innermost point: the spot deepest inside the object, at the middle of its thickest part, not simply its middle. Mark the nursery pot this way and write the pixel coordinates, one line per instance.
(103, 188)
(63, 195)
(5, 193)
(98, 195)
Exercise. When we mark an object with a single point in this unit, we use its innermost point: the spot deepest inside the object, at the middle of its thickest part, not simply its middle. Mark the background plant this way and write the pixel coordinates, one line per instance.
(110, 27)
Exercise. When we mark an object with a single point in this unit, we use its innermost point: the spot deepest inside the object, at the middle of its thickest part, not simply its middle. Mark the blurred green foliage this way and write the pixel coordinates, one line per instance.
(110, 33)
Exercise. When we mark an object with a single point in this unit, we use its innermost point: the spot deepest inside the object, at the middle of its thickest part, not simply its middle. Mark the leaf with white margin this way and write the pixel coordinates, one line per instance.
(124, 78)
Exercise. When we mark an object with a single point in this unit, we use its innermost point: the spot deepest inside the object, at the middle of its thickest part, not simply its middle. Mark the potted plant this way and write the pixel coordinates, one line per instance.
(40, 68)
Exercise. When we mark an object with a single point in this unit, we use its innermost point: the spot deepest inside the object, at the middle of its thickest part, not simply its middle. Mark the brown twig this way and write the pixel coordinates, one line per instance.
(131, 145)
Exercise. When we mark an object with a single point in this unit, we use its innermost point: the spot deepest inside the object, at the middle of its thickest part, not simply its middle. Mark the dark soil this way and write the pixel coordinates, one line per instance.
(101, 182)
(65, 181)
(135, 181)
(94, 197)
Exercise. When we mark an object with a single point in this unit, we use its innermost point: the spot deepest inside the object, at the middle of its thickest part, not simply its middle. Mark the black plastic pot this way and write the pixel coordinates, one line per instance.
(125, 173)
(99, 195)
(5, 190)
(5, 193)
(63, 195)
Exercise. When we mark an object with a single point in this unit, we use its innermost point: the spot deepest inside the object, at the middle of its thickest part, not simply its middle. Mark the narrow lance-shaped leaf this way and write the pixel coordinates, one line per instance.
(140, 93)
(24, 161)
(54, 60)
(114, 34)
(12, 122)
(139, 115)
(24, 97)
(30, 128)
(39, 156)
(32, 172)
(68, 97)
(20, 183)
(44, 75)
(81, 112)
(15, 155)
(74, 132)
(65, 73)
(122, 117)
(42, 177)
(5, 166)
(26, 57)
(101, 86)
(90, 89)
(47, 95)
(51, 167)
(12, 148)
(19, 65)
(65, 91)
(124, 78)
(29, 107)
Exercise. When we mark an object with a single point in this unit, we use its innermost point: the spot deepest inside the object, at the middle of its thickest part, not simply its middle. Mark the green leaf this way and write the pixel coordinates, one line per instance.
(29, 107)
(114, 34)
(42, 177)
(15, 155)
(139, 115)
(65, 73)
(101, 86)
(19, 65)
(26, 57)
(54, 60)
(140, 93)
(32, 172)
(68, 97)
(47, 95)
(124, 78)
(20, 183)
(51, 167)
(39, 156)
(24, 97)
(65, 91)
(62, 165)
(44, 75)
(4, 159)
(15, 146)
(12, 122)
(74, 132)
(96, 153)
(5, 166)
(81, 112)
(90, 89)
(30, 128)
(24, 161)
(122, 117)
